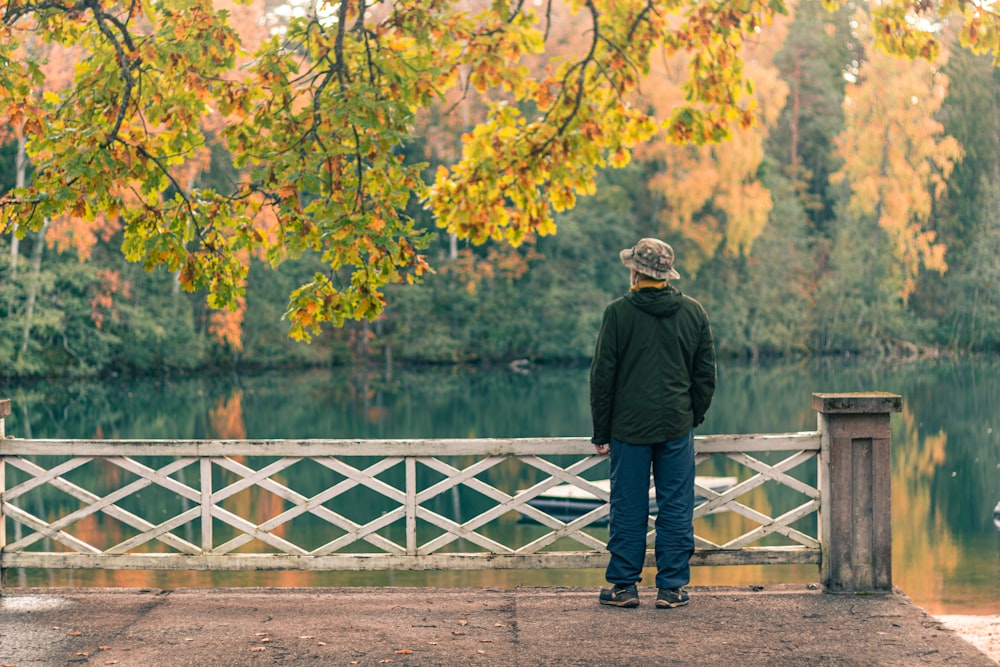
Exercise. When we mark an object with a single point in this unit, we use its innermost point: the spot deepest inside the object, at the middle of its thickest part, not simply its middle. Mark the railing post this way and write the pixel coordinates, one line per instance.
(4, 411)
(207, 538)
(410, 464)
(855, 487)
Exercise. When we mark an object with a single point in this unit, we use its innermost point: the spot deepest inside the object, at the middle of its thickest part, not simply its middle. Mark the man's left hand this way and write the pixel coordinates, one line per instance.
(603, 449)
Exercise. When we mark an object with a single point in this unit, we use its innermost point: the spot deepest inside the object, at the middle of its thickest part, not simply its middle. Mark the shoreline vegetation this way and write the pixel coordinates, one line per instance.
(524, 366)
(382, 360)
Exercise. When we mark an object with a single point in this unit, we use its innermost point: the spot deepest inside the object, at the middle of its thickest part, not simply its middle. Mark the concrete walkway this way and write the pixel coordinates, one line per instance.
(781, 625)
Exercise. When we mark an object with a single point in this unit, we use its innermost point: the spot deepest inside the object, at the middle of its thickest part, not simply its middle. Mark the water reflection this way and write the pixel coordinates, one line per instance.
(945, 473)
(226, 417)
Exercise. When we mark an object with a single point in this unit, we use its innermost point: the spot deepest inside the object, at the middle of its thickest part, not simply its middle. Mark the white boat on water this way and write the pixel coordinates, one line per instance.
(567, 501)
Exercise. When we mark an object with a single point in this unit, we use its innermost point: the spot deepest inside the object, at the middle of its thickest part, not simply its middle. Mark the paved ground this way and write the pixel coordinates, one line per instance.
(780, 625)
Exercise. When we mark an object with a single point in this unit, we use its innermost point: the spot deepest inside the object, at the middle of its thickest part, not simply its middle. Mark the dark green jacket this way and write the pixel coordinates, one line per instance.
(653, 373)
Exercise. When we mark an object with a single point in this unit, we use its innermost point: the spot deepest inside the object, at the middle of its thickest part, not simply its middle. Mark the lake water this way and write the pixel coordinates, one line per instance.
(945, 472)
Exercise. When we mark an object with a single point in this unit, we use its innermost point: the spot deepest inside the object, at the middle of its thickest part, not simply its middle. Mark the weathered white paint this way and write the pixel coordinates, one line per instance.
(374, 562)
(479, 447)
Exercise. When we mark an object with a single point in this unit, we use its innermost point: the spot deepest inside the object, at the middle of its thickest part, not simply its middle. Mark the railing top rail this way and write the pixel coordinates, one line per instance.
(380, 447)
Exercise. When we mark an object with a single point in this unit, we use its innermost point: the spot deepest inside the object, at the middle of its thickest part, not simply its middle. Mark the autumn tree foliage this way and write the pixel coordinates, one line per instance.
(711, 192)
(897, 159)
(317, 120)
(913, 28)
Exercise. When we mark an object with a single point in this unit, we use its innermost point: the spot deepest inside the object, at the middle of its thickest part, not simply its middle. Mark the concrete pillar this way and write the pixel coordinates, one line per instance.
(855, 486)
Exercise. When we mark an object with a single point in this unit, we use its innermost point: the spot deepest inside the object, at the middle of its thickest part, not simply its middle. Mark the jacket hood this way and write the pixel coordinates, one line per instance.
(659, 302)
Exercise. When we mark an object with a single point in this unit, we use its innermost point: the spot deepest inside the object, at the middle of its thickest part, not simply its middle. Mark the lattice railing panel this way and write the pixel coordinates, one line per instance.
(776, 474)
(423, 504)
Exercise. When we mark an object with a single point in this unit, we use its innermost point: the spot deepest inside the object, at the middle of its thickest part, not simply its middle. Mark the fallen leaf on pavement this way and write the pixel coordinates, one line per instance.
(104, 648)
(320, 643)
(74, 633)
(257, 649)
(307, 636)
(463, 623)
(403, 651)
(82, 654)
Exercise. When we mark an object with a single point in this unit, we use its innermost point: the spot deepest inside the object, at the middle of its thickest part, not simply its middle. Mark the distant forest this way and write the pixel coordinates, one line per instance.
(860, 215)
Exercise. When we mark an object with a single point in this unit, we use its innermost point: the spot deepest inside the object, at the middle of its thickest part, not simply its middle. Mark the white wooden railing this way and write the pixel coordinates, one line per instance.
(370, 504)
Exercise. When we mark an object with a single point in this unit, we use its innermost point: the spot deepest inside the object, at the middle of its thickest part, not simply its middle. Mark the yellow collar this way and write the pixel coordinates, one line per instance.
(659, 284)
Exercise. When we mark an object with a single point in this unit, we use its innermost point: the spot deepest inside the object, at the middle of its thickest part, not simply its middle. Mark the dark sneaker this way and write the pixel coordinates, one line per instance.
(668, 598)
(621, 595)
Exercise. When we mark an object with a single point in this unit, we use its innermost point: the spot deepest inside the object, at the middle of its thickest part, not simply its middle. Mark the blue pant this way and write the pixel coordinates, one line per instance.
(672, 463)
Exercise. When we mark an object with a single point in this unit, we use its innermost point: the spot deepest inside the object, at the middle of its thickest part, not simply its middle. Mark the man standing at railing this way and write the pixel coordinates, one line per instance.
(651, 382)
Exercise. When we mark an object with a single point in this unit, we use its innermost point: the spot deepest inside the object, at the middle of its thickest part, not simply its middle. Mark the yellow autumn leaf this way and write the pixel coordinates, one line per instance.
(507, 132)
(620, 158)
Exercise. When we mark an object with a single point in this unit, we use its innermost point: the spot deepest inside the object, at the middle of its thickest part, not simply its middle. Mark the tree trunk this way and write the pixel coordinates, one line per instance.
(36, 269)
(795, 116)
(20, 177)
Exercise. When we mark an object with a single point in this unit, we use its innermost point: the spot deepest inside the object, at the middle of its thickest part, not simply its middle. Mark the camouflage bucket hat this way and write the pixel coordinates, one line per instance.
(651, 257)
